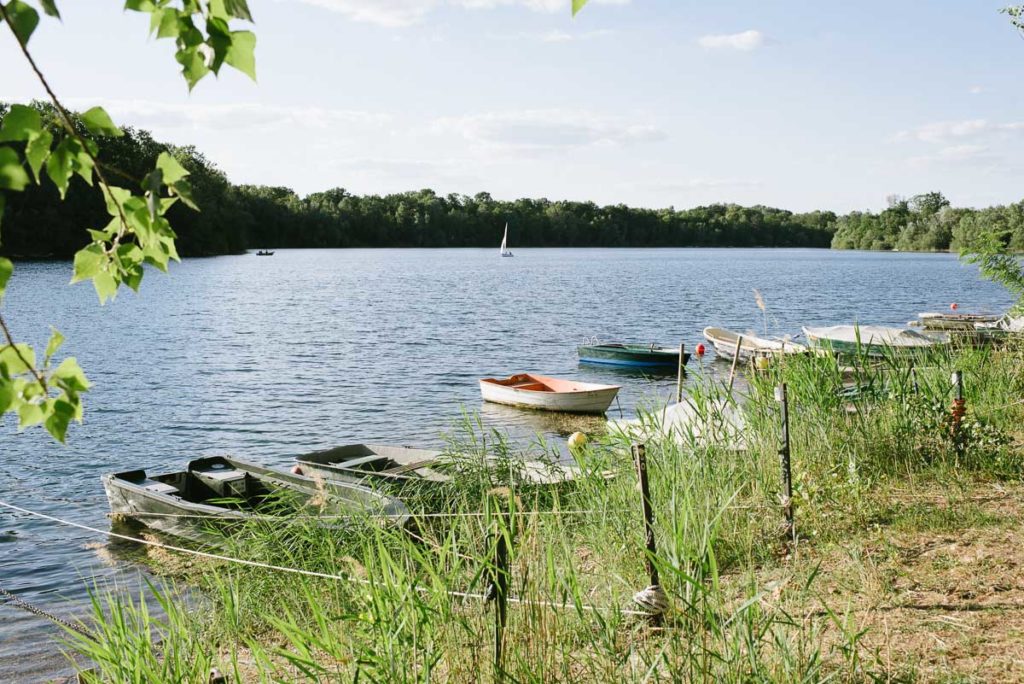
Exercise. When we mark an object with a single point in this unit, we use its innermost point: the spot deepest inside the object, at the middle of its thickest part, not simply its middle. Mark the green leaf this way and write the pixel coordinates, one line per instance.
(184, 190)
(171, 169)
(36, 152)
(241, 54)
(18, 358)
(106, 286)
(193, 65)
(59, 166)
(89, 262)
(6, 269)
(24, 20)
(133, 277)
(56, 340)
(577, 5)
(139, 5)
(20, 123)
(70, 375)
(165, 23)
(30, 414)
(50, 7)
(12, 173)
(239, 9)
(120, 196)
(7, 395)
(99, 122)
(61, 413)
(3, 204)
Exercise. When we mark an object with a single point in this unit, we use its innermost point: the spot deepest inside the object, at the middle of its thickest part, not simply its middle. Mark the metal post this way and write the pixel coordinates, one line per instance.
(681, 373)
(500, 532)
(787, 474)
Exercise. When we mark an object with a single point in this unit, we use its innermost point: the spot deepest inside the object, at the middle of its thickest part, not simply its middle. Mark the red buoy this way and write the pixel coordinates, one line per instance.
(700, 350)
(954, 306)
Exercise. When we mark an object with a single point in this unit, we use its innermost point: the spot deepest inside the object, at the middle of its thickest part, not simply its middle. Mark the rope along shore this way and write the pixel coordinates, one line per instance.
(313, 573)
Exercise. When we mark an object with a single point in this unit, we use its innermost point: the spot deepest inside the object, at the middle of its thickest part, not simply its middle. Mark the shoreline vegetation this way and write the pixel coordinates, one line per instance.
(235, 218)
(904, 565)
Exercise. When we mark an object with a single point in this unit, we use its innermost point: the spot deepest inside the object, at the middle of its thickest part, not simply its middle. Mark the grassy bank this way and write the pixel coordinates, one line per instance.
(902, 569)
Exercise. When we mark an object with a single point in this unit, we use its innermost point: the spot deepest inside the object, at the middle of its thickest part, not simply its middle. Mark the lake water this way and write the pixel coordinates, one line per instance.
(268, 357)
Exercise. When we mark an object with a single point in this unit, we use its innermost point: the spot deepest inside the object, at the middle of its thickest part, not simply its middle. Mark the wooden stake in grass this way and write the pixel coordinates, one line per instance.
(500, 531)
(784, 456)
(652, 598)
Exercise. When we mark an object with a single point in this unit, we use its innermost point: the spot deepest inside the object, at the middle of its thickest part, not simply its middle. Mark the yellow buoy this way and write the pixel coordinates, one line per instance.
(577, 440)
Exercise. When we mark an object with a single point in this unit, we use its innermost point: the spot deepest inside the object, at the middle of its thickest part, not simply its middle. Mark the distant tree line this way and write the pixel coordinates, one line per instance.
(927, 222)
(235, 218)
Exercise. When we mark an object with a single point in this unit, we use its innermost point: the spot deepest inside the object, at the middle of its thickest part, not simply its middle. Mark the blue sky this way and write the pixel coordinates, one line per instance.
(648, 102)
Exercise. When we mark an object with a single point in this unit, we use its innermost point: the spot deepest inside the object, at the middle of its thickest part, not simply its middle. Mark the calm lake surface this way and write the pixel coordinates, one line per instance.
(264, 358)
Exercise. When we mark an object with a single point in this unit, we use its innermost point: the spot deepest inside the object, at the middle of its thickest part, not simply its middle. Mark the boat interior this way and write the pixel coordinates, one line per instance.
(522, 382)
(208, 480)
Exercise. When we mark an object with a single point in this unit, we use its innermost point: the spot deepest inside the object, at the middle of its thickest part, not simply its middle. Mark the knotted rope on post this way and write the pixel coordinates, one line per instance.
(652, 600)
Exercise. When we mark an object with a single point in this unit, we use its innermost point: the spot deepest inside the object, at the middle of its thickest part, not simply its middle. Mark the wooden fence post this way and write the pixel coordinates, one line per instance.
(501, 530)
(655, 599)
(784, 456)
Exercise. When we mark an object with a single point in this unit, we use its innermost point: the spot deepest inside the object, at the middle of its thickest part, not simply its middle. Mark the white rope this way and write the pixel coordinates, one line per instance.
(360, 516)
(308, 573)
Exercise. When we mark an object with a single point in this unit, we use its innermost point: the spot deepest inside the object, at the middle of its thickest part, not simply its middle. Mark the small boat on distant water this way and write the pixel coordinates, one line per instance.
(872, 340)
(265, 252)
(631, 355)
(549, 394)
(215, 494)
(505, 251)
(750, 346)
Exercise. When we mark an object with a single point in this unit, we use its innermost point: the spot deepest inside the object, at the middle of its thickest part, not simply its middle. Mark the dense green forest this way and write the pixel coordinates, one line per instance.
(928, 223)
(236, 218)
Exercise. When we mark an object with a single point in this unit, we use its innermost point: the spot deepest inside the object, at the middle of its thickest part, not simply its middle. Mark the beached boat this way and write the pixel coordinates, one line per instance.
(215, 494)
(377, 465)
(631, 355)
(505, 251)
(372, 464)
(952, 321)
(548, 394)
(750, 346)
(872, 340)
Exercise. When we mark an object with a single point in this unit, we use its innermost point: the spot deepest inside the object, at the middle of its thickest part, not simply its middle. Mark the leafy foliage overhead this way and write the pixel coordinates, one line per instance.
(46, 146)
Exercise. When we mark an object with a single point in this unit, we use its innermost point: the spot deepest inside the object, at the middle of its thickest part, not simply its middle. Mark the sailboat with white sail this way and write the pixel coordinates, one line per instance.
(505, 251)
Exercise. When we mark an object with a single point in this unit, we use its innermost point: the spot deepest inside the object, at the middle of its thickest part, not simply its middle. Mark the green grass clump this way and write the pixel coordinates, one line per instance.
(747, 604)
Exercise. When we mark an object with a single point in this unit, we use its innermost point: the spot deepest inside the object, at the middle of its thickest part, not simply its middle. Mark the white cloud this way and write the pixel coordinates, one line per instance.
(946, 131)
(548, 129)
(745, 41)
(398, 13)
(976, 90)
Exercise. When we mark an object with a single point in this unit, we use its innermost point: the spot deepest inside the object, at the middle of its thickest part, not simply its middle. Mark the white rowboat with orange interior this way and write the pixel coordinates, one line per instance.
(548, 394)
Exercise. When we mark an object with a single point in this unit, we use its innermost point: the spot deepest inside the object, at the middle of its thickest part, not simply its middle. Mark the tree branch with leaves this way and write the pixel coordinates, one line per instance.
(138, 232)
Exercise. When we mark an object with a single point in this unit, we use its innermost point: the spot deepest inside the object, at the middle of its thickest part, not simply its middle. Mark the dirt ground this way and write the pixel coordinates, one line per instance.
(939, 587)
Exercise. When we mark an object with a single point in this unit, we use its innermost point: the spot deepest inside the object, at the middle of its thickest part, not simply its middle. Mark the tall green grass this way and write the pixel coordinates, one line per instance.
(744, 608)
